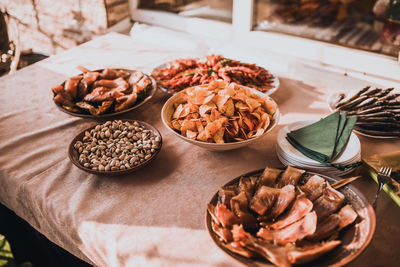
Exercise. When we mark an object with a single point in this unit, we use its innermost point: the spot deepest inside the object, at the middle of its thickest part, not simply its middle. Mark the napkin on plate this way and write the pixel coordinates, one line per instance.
(324, 140)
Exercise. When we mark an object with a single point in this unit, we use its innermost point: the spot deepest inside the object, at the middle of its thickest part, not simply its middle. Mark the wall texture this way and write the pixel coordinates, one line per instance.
(49, 26)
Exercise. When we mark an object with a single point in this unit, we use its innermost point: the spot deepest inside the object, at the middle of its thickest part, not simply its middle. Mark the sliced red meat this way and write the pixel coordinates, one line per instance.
(223, 233)
(326, 228)
(225, 217)
(71, 86)
(285, 198)
(264, 199)
(301, 206)
(247, 185)
(304, 227)
(329, 202)
(275, 254)
(314, 187)
(269, 177)
(225, 194)
(239, 206)
(307, 254)
(290, 176)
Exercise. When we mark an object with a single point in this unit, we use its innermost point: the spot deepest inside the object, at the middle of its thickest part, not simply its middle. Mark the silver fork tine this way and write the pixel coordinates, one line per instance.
(389, 171)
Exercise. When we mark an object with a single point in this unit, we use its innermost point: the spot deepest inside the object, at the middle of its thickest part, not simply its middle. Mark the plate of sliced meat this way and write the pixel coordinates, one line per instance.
(286, 217)
(104, 93)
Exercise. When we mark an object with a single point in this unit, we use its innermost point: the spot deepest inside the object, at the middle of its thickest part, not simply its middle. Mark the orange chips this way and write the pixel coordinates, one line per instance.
(222, 112)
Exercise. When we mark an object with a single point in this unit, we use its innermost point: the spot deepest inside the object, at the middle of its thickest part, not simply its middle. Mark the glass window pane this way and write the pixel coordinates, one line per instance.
(363, 24)
(220, 10)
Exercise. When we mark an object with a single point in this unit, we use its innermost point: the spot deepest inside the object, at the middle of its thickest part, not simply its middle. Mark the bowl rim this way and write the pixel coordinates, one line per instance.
(154, 88)
(172, 99)
(72, 153)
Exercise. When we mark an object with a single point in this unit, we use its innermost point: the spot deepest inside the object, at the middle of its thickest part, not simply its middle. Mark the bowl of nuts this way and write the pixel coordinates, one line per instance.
(115, 147)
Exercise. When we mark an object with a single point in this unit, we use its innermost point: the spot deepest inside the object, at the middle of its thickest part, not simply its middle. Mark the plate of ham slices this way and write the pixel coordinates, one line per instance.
(285, 217)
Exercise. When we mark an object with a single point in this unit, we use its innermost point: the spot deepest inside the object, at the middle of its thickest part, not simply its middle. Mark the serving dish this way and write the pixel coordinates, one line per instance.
(74, 155)
(375, 107)
(150, 91)
(355, 238)
(169, 108)
(206, 66)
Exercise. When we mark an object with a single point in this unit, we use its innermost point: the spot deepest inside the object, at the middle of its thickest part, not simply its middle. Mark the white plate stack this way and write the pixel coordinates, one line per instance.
(289, 155)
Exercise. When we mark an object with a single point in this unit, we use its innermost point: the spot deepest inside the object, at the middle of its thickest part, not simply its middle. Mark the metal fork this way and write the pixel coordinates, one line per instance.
(383, 178)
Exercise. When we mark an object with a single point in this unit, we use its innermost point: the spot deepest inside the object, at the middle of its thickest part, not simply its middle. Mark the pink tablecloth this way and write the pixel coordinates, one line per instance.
(156, 215)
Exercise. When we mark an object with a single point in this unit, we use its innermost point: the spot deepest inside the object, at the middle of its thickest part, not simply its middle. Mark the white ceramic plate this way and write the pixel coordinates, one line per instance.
(349, 154)
(325, 170)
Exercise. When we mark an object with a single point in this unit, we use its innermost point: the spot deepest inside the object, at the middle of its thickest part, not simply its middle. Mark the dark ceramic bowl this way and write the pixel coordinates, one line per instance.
(74, 156)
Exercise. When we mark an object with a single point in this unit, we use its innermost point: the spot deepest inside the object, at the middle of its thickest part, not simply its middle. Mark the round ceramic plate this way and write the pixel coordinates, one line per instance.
(74, 156)
(275, 84)
(349, 155)
(355, 238)
(331, 101)
(151, 91)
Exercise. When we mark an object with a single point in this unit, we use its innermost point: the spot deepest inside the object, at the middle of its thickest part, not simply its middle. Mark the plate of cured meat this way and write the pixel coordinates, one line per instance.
(179, 74)
(104, 93)
(286, 217)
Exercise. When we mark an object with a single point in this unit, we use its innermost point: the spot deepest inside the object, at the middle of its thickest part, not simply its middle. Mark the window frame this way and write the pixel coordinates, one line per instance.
(241, 31)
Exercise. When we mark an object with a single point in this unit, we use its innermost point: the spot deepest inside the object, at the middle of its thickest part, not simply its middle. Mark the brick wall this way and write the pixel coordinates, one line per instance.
(49, 26)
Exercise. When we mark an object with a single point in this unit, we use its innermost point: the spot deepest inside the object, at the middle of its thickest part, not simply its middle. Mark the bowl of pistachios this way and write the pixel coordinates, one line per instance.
(115, 147)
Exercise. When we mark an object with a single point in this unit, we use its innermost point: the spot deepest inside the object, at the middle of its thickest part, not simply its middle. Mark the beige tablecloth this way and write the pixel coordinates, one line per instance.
(155, 216)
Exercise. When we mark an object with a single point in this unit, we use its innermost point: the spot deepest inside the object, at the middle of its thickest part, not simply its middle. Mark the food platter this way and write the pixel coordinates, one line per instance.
(273, 82)
(354, 238)
(74, 156)
(151, 90)
(333, 99)
(169, 108)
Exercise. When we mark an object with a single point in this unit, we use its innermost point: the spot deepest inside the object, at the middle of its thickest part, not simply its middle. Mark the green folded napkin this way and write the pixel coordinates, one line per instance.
(324, 140)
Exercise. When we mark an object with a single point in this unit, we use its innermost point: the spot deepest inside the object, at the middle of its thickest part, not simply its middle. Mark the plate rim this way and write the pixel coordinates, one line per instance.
(72, 152)
(241, 259)
(108, 115)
